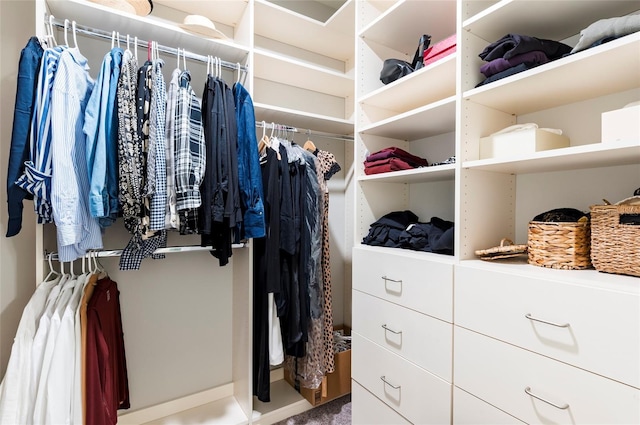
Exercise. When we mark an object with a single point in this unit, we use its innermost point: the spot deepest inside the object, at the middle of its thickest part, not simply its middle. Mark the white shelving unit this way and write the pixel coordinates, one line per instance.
(442, 109)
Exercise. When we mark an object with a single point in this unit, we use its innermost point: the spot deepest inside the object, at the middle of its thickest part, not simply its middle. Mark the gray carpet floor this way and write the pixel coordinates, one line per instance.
(336, 412)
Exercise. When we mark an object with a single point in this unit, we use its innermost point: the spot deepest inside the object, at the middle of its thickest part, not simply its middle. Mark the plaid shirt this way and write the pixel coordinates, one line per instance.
(190, 157)
(156, 158)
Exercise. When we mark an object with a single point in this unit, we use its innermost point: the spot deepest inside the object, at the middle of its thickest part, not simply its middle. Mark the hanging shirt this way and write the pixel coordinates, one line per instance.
(77, 231)
(30, 58)
(190, 159)
(249, 178)
(156, 159)
(101, 130)
(129, 145)
(171, 220)
(14, 387)
(37, 172)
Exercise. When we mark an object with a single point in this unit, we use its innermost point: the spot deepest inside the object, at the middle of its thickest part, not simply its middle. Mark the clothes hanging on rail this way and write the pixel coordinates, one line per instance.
(290, 265)
(47, 370)
(28, 66)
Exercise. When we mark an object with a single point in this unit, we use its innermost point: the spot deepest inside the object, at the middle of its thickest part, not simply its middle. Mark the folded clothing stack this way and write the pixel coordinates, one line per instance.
(403, 229)
(515, 53)
(392, 159)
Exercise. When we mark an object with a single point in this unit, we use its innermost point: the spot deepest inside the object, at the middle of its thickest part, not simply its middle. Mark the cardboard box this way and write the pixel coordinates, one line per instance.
(439, 50)
(521, 142)
(621, 125)
(333, 385)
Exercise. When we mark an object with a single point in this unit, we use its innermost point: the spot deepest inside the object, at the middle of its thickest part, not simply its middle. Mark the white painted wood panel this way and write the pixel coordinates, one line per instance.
(470, 410)
(419, 338)
(604, 339)
(367, 409)
(410, 390)
(406, 278)
(499, 373)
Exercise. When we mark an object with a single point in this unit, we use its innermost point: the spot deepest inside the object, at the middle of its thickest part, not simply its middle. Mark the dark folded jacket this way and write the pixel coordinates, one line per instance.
(516, 44)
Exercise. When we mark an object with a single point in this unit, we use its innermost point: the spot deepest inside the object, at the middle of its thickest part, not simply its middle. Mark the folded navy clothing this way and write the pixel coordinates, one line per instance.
(395, 152)
(500, 64)
(507, 73)
(516, 44)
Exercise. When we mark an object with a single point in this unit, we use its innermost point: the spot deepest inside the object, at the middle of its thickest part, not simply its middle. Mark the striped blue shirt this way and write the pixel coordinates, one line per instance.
(77, 231)
(37, 174)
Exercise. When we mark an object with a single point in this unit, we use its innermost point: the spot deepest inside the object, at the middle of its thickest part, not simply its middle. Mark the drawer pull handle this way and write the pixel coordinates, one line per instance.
(530, 317)
(391, 330)
(385, 278)
(528, 391)
(395, 387)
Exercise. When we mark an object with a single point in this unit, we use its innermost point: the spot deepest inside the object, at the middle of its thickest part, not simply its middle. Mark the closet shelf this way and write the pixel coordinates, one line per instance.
(556, 83)
(429, 84)
(401, 26)
(301, 120)
(514, 16)
(274, 67)
(228, 12)
(332, 38)
(426, 121)
(418, 175)
(571, 158)
(106, 19)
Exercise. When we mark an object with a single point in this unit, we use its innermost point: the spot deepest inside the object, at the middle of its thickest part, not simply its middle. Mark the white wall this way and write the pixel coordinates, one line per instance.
(17, 254)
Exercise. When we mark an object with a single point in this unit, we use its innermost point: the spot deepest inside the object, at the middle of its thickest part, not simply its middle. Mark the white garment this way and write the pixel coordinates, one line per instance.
(37, 353)
(40, 405)
(13, 390)
(60, 381)
(276, 350)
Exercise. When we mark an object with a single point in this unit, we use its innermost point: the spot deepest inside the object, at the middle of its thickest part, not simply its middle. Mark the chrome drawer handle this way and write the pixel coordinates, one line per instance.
(528, 391)
(395, 387)
(391, 330)
(385, 278)
(530, 317)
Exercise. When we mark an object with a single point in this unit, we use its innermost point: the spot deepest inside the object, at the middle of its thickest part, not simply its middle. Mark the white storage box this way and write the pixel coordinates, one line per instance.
(521, 142)
(621, 125)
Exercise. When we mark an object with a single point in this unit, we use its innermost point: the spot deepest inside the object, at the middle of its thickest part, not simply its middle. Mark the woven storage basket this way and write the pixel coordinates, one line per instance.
(615, 247)
(559, 245)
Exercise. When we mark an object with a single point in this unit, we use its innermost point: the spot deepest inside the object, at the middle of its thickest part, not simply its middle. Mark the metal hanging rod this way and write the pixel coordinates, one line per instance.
(105, 35)
(275, 126)
(167, 250)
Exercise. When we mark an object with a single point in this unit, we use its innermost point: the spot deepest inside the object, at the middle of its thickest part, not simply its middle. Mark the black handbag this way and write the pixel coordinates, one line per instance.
(393, 69)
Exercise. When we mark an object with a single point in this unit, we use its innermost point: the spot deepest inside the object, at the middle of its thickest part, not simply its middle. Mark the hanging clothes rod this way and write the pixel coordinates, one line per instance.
(97, 33)
(168, 250)
(269, 125)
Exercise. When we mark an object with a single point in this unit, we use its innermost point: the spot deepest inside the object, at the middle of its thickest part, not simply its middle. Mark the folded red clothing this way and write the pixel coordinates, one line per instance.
(395, 152)
(440, 50)
(386, 165)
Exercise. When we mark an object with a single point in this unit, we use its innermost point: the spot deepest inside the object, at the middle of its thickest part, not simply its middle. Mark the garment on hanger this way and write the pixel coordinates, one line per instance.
(190, 155)
(156, 156)
(101, 130)
(77, 231)
(249, 176)
(171, 220)
(28, 66)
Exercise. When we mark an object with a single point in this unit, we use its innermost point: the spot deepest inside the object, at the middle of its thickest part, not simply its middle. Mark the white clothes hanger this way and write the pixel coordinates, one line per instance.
(66, 31)
(238, 68)
(135, 46)
(52, 271)
(75, 40)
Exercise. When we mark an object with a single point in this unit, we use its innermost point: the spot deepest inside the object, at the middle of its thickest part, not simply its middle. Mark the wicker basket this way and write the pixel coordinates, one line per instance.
(615, 247)
(559, 245)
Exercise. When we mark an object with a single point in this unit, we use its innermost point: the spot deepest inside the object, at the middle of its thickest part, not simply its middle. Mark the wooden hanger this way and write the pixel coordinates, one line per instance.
(309, 145)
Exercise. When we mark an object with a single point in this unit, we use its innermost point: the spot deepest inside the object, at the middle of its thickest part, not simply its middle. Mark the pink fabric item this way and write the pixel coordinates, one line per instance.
(440, 50)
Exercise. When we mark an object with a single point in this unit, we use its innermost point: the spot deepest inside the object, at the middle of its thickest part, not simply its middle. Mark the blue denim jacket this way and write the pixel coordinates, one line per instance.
(27, 79)
(249, 175)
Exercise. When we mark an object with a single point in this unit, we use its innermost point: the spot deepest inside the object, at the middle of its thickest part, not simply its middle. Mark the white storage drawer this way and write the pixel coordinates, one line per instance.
(405, 278)
(603, 332)
(367, 409)
(501, 373)
(416, 394)
(470, 410)
(419, 338)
